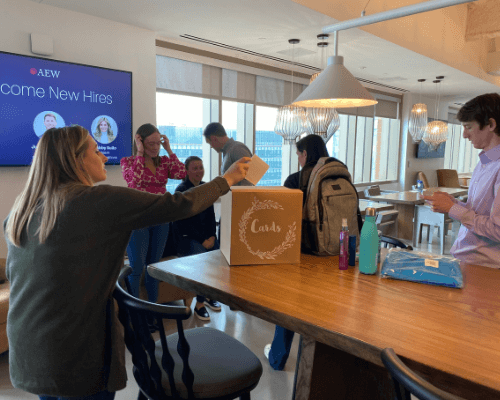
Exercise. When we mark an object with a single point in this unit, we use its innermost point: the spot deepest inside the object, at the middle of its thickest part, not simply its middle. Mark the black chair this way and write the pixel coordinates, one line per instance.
(389, 241)
(208, 363)
(406, 382)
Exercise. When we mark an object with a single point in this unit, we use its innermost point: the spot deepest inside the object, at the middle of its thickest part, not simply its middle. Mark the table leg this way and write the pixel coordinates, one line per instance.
(324, 372)
(405, 220)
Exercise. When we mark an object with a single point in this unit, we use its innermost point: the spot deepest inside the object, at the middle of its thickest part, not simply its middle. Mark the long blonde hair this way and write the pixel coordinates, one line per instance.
(98, 133)
(57, 169)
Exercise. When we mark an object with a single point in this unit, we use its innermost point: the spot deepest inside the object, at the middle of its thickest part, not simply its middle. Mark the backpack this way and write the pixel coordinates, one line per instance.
(329, 197)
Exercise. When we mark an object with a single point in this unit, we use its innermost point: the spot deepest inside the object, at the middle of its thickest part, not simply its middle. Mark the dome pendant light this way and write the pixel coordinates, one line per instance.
(335, 87)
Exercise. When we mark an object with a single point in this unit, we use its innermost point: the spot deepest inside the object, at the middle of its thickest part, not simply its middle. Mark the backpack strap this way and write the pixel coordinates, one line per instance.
(304, 175)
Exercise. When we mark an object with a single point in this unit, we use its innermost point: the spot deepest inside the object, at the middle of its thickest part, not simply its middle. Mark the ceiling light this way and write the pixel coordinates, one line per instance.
(418, 118)
(322, 121)
(335, 87)
(436, 131)
(291, 120)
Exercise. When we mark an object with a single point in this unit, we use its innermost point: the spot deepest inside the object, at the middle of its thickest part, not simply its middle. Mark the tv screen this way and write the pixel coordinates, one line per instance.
(37, 94)
(424, 151)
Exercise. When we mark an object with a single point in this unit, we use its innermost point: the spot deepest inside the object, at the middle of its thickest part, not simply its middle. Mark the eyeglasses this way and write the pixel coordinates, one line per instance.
(152, 144)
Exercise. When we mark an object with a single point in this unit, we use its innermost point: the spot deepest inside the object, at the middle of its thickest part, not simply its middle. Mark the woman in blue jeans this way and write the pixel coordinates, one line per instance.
(309, 150)
(197, 234)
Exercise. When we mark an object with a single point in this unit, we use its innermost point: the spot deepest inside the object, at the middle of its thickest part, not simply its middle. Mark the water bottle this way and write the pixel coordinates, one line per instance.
(420, 186)
(344, 240)
(368, 246)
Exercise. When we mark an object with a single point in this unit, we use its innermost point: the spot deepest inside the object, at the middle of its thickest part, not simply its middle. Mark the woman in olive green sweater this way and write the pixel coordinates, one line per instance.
(66, 240)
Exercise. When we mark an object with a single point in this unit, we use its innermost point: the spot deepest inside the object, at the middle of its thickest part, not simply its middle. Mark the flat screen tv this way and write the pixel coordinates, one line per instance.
(37, 94)
(424, 151)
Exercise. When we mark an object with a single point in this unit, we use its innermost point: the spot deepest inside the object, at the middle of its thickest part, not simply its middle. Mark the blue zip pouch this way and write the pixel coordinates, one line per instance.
(421, 267)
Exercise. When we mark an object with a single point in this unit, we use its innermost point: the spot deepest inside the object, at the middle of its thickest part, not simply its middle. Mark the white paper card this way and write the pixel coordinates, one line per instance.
(256, 170)
(431, 263)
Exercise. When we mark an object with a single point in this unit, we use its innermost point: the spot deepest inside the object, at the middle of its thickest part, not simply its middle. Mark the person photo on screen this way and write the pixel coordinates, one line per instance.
(66, 238)
(103, 132)
(50, 121)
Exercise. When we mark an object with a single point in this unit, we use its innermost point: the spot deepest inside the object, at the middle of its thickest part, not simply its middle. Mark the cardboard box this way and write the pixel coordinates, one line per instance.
(261, 225)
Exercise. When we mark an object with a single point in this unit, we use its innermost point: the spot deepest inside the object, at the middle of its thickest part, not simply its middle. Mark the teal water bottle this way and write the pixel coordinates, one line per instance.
(368, 245)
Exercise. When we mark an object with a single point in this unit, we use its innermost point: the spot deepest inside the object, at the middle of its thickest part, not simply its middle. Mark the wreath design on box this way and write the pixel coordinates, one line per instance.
(245, 218)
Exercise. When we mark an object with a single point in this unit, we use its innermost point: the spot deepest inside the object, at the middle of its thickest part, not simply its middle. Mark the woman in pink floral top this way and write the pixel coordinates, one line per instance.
(148, 172)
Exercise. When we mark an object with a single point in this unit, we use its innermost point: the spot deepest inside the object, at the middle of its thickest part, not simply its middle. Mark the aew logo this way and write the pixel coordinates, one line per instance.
(46, 73)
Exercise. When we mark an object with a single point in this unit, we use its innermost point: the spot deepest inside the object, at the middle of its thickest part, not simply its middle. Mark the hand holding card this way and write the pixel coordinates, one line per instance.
(257, 169)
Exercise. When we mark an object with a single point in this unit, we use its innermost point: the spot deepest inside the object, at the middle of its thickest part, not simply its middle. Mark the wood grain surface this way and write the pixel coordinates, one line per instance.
(450, 336)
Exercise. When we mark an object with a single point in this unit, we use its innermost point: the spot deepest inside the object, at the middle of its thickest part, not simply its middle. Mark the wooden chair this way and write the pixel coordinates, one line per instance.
(421, 176)
(201, 363)
(373, 191)
(448, 178)
(167, 293)
(407, 382)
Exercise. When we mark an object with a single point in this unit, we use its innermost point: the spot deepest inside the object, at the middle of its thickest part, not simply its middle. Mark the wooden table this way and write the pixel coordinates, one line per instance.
(405, 203)
(364, 204)
(449, 336)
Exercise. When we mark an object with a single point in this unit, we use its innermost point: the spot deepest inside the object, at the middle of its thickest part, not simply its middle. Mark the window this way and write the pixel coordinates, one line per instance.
(368, 146)
(268, 145)
(182, 119)
(237, 119)
(367, 140)
(459, 153)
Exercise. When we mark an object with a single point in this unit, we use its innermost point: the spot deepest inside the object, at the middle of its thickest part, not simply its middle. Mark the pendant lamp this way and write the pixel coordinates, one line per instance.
(335, 87)
(323, 122)
(291, 119)
(436, 132)
(418, 118)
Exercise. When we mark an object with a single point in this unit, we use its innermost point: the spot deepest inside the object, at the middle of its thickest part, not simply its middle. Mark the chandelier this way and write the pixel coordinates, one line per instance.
(436, 132)
(291, 120)
(418, 118)
(323, 122)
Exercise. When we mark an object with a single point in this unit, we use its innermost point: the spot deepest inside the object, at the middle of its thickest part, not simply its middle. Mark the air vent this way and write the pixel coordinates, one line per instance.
(253, 53)
(382, 85)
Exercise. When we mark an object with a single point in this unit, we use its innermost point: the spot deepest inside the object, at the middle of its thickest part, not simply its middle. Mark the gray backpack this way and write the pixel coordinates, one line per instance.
(329, 197)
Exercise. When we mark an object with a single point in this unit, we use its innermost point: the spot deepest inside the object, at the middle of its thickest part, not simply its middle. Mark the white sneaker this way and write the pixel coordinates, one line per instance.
(267, 349)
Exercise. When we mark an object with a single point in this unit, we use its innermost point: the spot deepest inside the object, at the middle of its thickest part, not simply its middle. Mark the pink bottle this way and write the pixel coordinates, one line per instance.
(344, 242)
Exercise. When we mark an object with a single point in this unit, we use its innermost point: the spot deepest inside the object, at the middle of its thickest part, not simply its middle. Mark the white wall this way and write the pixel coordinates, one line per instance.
(82, 39)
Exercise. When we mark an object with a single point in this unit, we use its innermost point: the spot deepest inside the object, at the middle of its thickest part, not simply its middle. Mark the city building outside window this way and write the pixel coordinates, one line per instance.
(182, 119)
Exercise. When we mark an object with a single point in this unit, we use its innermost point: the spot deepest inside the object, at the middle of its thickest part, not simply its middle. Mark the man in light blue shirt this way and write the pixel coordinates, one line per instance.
(478, 240)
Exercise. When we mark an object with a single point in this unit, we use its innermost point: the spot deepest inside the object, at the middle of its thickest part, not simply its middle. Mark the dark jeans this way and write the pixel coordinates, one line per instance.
(280, 348)
(190, 247)
(105, 395)
(146, 247)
